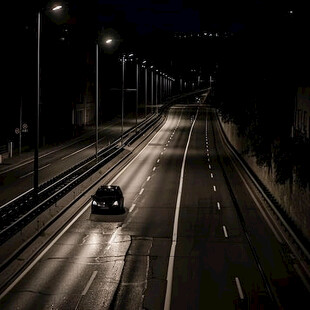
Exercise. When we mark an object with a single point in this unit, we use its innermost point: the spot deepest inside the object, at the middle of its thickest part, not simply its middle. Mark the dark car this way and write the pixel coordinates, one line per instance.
(108, 199)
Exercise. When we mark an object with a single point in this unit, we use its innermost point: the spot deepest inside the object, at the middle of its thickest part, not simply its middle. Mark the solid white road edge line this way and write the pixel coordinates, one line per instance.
(225, 231)
(90, 281)
(175, 225)
(132, 207)
(241, 295)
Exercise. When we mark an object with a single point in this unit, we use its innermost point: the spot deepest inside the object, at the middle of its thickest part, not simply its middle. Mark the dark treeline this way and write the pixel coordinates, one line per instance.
(256, 85)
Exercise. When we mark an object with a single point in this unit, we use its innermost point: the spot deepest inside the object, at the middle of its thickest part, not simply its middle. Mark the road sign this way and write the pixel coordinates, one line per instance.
(17, 131)
(25, 127)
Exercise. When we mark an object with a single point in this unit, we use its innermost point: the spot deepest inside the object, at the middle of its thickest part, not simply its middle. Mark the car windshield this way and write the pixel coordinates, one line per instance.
(106, 194)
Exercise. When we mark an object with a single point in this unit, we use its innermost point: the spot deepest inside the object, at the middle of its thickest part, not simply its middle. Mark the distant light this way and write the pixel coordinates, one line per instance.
(58, 7)
(130, 55)
(291, 12)
(108, 41)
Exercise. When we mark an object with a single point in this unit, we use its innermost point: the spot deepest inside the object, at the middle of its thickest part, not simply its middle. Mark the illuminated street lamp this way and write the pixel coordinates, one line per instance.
(37, 110)
(123, 59)
(57, 7)
(108, 42)
(111, 42)
(122, 103)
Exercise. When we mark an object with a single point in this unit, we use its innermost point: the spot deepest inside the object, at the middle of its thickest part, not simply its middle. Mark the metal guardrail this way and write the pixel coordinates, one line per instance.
(270, 199)
(18, 212)
(291, 234)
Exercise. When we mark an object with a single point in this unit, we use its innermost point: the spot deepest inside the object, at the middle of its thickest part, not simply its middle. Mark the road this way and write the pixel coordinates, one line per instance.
(17, 176)
(193, 236)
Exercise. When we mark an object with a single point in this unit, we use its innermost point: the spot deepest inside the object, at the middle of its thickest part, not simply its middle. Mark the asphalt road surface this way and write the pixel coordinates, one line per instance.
(192, 238)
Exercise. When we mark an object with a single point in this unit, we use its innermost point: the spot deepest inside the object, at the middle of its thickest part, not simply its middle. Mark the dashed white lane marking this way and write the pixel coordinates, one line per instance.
(225, 231)
(90, 281)
(141, 191)
(214, 188)
(212, 175)
(158, 160)
(161, 153)
(148, 178)
(209, 166)
(154, 168)
(241, 295)
(132, 207)
(218, 206)
(126, 167)
(8, 289)
(112, 239)
(114, 235)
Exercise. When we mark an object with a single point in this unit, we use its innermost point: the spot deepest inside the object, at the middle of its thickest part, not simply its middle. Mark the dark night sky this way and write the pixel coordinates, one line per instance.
(137, 18)
(166, 15)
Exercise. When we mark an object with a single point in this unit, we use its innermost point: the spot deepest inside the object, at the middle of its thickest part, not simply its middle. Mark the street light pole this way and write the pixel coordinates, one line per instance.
(145, 92)
(152, 90)
(97, 96)
(37, 114)
(122, 90)
(159, 79)
(20, 126)
(137, 93)
(156, 90)
(37, 109)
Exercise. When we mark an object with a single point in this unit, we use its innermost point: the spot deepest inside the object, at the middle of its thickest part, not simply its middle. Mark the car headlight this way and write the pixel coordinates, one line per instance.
(115, 203)
(95, 203)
